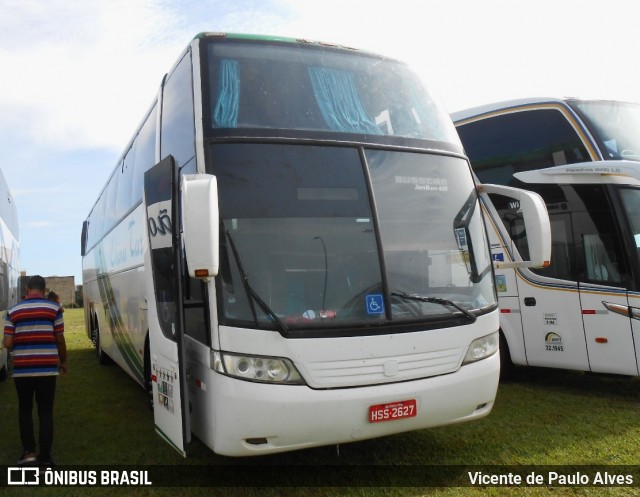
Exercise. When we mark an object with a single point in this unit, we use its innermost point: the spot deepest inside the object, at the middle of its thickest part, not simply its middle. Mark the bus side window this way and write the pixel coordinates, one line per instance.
(124, 200)
(178, 132)
(600, 264)
(598, 247)
(562, 250)
(145, 154)
(96, 222)
(560, 206)
(110, 197)
(631, 202)
(599, 251)
(562, 243)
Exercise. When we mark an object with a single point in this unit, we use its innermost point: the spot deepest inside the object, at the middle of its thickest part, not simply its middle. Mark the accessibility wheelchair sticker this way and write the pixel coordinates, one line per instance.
(375, 304)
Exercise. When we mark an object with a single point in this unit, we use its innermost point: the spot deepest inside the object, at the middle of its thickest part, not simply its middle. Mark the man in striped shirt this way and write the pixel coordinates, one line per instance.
(34, 329)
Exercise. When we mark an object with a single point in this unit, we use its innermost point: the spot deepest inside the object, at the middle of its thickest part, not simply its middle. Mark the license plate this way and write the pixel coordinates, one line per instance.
(393, 410)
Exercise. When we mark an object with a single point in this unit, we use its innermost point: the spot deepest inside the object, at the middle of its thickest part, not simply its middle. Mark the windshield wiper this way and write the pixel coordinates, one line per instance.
(283, 329)
(435, 300)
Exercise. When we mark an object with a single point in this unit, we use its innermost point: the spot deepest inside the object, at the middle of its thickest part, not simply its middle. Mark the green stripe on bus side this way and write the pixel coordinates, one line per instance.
(169, 441)
(120, 336)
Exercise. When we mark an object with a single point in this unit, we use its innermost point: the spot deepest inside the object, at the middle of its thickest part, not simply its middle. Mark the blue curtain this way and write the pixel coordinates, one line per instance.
(339, 102)
(225, 113)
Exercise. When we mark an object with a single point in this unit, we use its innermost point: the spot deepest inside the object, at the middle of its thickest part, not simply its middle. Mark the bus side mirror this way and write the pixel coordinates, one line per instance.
(536, 222)
(200, 223)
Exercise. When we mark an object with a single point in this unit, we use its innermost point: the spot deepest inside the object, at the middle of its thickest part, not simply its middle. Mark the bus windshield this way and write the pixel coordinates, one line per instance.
(616, 124)
(299, 225)
(318, 88)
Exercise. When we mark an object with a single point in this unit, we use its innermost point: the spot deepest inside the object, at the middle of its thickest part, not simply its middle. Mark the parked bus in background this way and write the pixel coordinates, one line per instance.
(306, 262)
(583, 311)
(9, 257)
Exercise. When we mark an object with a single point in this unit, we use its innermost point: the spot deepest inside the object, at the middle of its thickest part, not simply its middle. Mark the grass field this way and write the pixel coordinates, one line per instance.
(544, 418)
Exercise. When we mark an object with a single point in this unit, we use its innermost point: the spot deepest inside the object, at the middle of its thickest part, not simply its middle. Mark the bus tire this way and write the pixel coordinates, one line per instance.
(103, 358)
(507, 367)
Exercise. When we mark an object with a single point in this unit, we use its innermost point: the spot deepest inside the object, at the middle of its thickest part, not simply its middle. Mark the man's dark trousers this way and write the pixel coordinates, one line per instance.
(43, 388)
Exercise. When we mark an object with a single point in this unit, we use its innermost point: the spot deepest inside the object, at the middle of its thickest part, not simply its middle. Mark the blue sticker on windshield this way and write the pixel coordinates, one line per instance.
(375, 303)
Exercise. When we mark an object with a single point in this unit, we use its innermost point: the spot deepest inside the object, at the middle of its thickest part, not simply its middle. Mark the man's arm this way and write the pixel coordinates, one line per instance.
(62, 352)
(9, 330)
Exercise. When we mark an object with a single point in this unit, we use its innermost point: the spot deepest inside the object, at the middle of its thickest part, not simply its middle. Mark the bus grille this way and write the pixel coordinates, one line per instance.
(371, 371)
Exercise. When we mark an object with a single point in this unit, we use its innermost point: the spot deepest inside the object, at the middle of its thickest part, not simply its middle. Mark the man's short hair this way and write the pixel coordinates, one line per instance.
(36, 283)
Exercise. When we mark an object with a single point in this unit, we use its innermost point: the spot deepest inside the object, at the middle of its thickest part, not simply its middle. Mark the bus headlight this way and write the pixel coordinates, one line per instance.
(256, 368)
(481, 348)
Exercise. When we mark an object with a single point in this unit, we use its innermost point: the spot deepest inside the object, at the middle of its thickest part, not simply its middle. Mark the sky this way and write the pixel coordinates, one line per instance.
(76, 76)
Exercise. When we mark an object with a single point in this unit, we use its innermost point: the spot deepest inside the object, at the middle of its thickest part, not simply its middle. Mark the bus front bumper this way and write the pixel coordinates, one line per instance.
(255, 419)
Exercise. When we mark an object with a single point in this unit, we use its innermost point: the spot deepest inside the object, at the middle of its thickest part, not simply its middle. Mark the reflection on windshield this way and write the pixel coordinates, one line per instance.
(422, 200)
(464, 224)
(302, 233)
(616, 124)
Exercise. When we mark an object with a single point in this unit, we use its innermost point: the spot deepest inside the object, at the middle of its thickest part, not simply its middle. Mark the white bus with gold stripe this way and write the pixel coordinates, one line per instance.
(583, 311)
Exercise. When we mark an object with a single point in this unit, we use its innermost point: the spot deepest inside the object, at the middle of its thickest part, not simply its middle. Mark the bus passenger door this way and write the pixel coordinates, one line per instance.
(164, 295)
(634, 309)
(608, 331)
(550, 304)
(546, 299)
(604, 300)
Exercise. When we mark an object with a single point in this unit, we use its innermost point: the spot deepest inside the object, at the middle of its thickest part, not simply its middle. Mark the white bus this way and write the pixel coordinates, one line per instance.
(583, 311)
(9, 257)
(308, 264)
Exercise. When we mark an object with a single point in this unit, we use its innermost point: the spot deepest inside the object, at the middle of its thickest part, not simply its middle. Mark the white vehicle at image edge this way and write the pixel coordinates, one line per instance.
(9, 262)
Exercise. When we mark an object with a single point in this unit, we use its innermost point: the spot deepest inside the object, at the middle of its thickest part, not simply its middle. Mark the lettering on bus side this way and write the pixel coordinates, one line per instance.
(162, 225)
(117, 253)
(135, 240)
(125, 246)
(159, 224)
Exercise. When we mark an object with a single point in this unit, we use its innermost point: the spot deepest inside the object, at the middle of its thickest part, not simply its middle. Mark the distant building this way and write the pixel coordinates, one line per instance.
(65, 286)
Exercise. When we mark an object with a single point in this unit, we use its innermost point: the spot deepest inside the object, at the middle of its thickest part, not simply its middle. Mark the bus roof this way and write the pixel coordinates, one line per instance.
(472, 113)
(609, 171)
(257, 37)
(479, 110)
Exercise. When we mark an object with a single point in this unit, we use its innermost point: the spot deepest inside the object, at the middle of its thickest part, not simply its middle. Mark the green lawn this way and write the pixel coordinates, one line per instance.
(544, 418)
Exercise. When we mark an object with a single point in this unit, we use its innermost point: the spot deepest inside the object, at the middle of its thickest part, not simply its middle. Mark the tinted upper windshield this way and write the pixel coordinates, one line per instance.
(298, 220)
(308, 87)
(615, 124)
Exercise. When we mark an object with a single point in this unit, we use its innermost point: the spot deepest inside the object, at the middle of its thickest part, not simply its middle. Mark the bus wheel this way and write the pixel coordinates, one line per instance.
(103, 358)
(506, 364)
